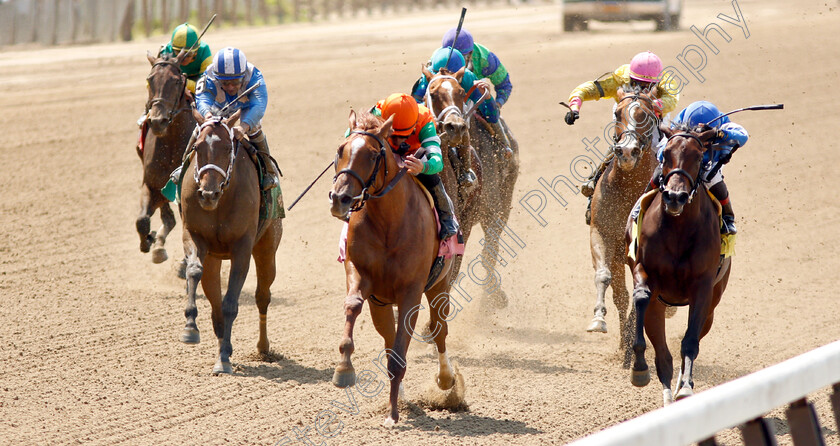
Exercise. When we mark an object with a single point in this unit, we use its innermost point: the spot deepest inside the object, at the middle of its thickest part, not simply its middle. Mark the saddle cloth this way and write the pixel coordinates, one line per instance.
(727, 241)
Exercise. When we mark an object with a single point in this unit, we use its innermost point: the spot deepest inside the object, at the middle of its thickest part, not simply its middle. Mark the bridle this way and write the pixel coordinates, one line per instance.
(694, 182)
(225, 173)
(439, 117)
(364, 195)
(646, 138)
(176, 107)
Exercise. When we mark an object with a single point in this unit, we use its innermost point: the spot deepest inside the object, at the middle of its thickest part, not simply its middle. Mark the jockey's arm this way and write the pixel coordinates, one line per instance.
(668, 97)
(595, 90)
(733, 134)
(205, 95)
(430, 145)
(257, 101)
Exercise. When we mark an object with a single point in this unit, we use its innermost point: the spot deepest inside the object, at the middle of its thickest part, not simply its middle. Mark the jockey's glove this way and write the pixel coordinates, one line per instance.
(572, 116)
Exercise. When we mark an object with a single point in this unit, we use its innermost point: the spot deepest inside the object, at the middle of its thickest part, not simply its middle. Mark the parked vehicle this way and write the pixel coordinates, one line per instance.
(578, 13)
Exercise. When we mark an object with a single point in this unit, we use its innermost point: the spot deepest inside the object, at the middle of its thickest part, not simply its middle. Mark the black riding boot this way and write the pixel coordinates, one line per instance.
(448, 225)
(501, 136)
(270, 179)
(727, 214)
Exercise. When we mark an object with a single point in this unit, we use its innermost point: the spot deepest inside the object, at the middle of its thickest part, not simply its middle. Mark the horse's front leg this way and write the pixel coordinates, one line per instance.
(240, 262)
(396, 358)
(640, 375)
(655, 329)
(143, 223)
(195, 251)
(603, 279)
(697, 315)
(168, 219)
(438, 297)
(345, 375)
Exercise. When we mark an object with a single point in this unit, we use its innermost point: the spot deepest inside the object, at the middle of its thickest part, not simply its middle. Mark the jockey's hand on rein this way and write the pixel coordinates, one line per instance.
(413, 165)
(572, 116)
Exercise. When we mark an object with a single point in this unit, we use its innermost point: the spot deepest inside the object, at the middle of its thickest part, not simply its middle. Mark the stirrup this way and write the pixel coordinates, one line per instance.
(269, 182)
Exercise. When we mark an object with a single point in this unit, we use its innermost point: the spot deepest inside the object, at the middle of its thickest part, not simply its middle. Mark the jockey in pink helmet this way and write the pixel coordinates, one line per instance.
(644, 71)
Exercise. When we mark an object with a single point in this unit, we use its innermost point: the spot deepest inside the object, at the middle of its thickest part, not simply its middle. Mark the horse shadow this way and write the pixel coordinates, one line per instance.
(276, 367)
(463, 424)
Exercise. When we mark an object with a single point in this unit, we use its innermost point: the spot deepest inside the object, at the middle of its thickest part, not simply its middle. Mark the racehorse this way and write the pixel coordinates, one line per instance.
(166, 133)
(445, 99)
(391, 244)
(621, 184)
(220, 201)
(678, 261)
(499, 178)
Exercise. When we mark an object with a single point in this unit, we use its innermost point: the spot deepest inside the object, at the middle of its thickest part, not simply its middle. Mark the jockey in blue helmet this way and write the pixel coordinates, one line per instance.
(227, 77)
(489, 69)
(729, 136)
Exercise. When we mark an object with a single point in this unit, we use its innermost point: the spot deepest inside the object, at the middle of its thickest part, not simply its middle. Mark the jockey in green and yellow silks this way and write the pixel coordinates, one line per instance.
(196, 61)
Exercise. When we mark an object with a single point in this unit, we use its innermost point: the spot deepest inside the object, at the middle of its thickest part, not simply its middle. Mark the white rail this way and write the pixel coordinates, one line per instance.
(701, 416)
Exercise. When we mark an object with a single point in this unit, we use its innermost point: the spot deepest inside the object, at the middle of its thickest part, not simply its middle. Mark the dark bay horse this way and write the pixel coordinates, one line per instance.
(499, 179)
(391, 244)
(220, 201)
(678, 262)
(169, 124)
(445, 99)
(621, 184)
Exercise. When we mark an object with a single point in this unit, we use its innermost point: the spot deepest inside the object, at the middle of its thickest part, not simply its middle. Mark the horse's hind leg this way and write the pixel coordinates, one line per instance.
(264, 259)
(439, 313)
(168, 218)
(143, 222)
(396, 358)
(494, 225)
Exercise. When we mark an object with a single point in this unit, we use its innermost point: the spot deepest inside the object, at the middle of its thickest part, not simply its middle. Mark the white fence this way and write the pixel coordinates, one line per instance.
(744, 400)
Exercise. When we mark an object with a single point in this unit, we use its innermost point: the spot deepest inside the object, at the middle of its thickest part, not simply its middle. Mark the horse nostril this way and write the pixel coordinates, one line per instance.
(682, 198)
(617, 150)
(346, 199)
(636, 151)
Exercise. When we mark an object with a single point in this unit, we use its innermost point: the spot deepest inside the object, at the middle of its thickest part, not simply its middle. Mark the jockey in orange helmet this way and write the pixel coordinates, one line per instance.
(415, 138)
(644, 71)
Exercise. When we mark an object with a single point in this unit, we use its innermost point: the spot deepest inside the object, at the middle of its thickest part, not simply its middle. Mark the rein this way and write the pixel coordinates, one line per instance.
(226, 174)
(694, 182)
(176, 108)
(364, 196)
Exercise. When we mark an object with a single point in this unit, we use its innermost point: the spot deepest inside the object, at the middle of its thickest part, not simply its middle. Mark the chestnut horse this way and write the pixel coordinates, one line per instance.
(391, 244)
(678, 262)
(168, 126)
(621, 184)
(445, 99)
(499, 178)
(220, 201)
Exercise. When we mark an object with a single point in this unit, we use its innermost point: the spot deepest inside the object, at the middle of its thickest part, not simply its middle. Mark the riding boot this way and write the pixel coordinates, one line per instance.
(501, 136)
(588, 188)
(720, 192)
(271, 177)
(448, 225)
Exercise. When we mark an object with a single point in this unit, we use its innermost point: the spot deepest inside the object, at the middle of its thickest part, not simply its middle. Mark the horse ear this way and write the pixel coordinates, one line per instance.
(233, 118)
(666, 130)
(198, 118)
(707, 136)
(152, 59)
(460, 74)
(619, 94)
(352, 119)
(426, 72)
(181, 55)
(385, 129)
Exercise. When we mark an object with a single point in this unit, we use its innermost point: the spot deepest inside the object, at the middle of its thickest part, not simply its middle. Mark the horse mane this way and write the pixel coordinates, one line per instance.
(367, 121)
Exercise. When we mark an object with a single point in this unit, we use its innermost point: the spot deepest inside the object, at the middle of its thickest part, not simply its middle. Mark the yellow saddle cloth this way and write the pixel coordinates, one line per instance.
(727, 241)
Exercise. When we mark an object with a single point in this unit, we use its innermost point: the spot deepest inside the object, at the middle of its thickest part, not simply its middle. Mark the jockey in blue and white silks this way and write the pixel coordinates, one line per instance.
(225, 79)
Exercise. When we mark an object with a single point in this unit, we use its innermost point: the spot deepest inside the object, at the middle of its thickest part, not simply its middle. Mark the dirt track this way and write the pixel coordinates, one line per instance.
(89, 325)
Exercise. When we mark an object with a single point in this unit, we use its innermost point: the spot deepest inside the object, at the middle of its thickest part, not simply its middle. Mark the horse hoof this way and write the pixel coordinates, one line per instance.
(598, 325)
(222, 367)
(640, 378)
(684, 392)
(190, 336)
(146, 244)
(389, 422)
(445, 382)
(344, 378)
(159, 255)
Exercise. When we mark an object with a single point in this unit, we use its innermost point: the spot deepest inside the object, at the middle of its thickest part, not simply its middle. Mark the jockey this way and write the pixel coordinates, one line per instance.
(414, 131)
(228, 76)
(729, 136)
(196, 61)
(644, 71)
(487, 67)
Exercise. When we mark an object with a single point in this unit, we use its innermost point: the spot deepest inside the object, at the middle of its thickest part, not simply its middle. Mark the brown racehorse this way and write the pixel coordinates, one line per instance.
(678, 262)
(621, 184)
(391, 245)
(499, 178)
(220, 201)
(445, 99)
(167, 133)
